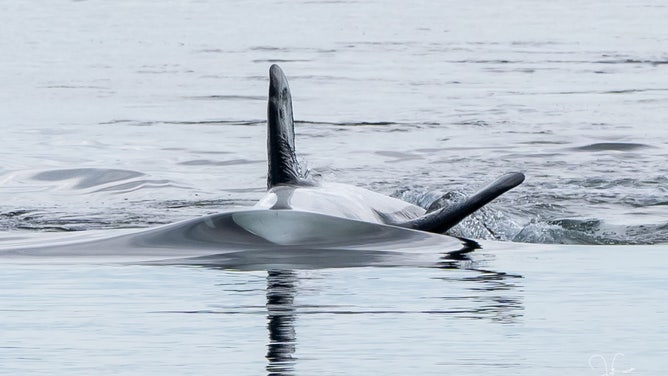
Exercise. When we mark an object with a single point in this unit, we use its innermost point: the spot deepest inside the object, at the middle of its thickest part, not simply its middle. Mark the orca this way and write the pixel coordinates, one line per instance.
(289, 189)
(300, 222)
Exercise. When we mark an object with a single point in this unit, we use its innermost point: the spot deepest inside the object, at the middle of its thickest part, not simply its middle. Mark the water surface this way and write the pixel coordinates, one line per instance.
(132, 114)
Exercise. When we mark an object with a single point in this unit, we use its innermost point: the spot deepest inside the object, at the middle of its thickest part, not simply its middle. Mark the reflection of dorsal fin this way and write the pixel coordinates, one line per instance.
(283, 165)
(443, 219)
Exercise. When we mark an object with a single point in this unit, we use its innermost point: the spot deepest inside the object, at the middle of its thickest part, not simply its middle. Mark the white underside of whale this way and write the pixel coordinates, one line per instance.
(282, 221)
(341, 200)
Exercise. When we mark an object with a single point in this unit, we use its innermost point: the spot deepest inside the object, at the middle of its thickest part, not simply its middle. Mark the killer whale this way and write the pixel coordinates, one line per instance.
(288, 188)
(299, 223)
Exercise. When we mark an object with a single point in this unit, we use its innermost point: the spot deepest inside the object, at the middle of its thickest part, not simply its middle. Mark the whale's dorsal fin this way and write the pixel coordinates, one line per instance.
(282, 161)
(444, 219)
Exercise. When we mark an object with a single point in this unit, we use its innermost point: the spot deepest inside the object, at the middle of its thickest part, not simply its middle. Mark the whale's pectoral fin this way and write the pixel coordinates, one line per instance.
(443, 219)
(282, 161)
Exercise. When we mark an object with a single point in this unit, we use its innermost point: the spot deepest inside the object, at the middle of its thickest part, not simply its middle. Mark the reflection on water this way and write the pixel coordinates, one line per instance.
(476, 293)
(281, 315)
(493, 291)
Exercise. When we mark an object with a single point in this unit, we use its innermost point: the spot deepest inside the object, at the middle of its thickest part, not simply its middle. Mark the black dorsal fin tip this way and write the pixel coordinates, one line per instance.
(283, 167)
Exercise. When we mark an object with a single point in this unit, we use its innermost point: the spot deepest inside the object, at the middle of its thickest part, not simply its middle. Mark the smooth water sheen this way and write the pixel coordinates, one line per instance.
(131, 114)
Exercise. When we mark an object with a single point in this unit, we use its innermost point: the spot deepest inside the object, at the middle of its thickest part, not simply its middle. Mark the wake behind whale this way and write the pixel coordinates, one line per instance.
(299, 223)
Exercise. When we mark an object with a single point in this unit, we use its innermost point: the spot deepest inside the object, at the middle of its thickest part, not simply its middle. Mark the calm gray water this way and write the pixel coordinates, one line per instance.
(131, 114)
